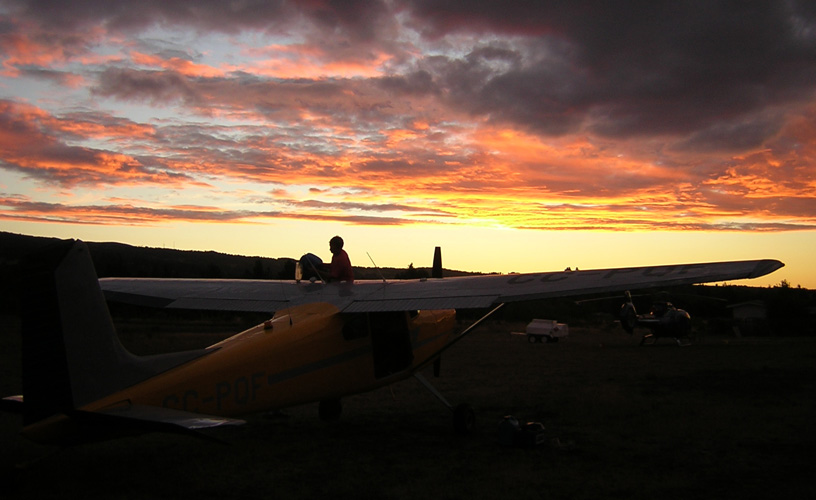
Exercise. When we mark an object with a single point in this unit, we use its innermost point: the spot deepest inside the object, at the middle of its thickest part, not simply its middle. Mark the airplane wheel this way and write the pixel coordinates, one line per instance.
(464, 419)
(330, 410)
(628, 317)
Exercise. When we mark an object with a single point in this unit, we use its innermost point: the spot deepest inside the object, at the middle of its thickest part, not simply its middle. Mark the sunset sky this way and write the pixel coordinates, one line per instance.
(518, 136)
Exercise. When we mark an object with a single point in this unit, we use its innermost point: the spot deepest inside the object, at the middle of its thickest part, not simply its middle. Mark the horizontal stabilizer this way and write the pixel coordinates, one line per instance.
(185, 419)
(12, 404)
(141, 418)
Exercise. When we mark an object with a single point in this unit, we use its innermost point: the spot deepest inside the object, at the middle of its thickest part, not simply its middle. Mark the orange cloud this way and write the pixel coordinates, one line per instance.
(20, 50)
(181, 66)
(30, 142)
(310, 62)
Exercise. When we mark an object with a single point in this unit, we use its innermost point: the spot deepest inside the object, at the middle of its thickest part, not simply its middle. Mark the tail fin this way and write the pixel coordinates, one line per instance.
(71, 354)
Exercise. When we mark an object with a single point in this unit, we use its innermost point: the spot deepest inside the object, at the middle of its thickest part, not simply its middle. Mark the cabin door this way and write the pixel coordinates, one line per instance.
(390, 342)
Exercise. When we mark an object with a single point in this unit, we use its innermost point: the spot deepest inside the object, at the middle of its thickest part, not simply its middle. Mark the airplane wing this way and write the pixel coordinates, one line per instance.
(450, 293)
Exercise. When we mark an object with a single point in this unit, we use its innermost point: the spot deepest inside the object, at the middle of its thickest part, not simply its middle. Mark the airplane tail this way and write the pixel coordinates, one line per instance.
(71, 353)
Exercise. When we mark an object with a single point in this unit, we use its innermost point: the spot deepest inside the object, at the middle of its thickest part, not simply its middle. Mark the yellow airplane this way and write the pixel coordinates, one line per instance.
(324, 342)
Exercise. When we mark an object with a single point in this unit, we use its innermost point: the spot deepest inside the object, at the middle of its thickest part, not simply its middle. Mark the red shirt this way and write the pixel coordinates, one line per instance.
(340, 268)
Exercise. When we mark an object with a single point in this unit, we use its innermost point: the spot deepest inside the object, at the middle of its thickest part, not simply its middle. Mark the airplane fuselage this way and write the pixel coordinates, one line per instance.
(308, 353)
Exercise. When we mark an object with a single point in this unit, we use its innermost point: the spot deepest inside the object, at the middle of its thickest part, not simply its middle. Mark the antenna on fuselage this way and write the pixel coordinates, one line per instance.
(376, 267)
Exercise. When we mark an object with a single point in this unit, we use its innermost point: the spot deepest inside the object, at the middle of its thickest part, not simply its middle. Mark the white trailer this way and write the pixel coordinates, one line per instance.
(549, 330)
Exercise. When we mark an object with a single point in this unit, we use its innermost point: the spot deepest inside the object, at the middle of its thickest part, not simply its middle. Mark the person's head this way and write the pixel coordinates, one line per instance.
(336, 244)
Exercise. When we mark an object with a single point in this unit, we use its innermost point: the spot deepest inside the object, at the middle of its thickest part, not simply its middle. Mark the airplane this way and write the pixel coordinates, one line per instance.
(324, 342)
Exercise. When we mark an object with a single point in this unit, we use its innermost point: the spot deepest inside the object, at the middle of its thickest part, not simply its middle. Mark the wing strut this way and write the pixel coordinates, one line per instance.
(433, 390)
(464, 419)
(460, 336)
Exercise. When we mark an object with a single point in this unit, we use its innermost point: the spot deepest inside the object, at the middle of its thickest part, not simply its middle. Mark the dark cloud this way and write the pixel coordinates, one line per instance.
(737, 135)
(354, 219)
(123, 15)
(391, 166)
(58, 77)
(16, 208)
(548, 96)
(419, 82)
(602, 224)
(276, 99)
(650, 68)
(365, 207)
(118, 213)
(358, 19)
(158, 87)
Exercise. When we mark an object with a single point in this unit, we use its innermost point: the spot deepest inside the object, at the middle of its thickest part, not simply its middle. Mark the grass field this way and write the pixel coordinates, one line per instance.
(724, 418)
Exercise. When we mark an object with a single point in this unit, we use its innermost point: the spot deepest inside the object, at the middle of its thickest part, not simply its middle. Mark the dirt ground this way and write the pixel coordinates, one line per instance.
(723, 418)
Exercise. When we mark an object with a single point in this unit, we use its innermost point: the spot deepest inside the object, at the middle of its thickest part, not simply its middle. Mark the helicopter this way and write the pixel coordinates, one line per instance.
(664, 320)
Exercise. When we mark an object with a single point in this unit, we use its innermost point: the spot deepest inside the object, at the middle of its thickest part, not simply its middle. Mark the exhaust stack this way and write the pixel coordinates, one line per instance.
(436, 272)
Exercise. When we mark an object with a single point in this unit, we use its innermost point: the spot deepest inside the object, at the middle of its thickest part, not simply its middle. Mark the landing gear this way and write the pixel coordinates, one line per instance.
(330, 410)
(464, 418)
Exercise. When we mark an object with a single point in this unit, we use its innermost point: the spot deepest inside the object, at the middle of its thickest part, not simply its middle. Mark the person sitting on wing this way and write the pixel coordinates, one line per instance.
(340, 267)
